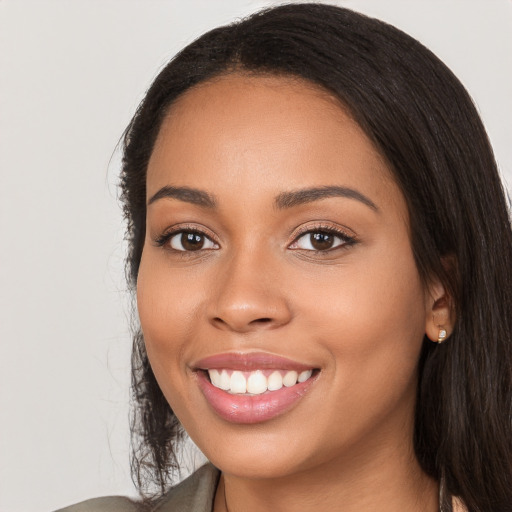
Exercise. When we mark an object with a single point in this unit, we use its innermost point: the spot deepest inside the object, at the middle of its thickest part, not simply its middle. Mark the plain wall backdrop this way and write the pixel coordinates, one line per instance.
(71, 76)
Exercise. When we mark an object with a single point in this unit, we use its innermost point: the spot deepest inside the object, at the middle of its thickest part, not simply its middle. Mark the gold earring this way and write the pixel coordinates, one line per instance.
(441, 336)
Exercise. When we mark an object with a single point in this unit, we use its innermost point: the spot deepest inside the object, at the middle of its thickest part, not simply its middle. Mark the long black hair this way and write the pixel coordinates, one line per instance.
(422, 120)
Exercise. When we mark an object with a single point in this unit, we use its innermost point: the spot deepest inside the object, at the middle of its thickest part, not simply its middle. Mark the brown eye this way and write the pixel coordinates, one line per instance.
(191, 241)
(321, 241)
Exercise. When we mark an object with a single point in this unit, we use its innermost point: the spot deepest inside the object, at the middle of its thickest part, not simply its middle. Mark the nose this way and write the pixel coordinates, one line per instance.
(249, 296)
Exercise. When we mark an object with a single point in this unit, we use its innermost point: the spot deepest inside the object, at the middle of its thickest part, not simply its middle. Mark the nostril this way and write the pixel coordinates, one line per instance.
(256, 320)
(242, 326)
(244, 315)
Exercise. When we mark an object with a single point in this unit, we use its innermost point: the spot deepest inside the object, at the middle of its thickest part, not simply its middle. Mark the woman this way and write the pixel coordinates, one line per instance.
(321, 248)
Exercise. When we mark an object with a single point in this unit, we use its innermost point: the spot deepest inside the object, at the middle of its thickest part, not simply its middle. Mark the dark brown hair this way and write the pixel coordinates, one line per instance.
(424, 123)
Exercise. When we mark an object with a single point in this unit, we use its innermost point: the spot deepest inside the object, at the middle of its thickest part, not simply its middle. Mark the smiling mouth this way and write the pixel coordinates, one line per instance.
(256, 382)
(247, 388)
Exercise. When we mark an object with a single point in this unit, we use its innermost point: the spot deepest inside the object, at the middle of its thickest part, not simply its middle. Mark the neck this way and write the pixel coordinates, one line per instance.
(388, 480)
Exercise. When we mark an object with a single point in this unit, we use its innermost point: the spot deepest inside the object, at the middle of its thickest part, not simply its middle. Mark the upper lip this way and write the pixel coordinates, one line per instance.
(249, 361)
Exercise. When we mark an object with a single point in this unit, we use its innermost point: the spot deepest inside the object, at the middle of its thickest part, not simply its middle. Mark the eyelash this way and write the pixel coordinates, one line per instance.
(347, 240)
(166, 237)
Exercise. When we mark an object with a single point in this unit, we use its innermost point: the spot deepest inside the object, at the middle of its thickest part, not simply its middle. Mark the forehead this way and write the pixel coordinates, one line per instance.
(277, 133)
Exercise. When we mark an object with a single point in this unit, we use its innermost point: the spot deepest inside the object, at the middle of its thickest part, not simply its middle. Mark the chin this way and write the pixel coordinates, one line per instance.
(258, 453)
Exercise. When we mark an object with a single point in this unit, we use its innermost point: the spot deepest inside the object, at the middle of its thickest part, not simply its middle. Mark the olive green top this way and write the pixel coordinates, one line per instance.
(195, 494)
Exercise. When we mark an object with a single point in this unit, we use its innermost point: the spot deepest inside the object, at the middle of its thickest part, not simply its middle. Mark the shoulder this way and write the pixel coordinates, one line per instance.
(194, 494)
(107, 504)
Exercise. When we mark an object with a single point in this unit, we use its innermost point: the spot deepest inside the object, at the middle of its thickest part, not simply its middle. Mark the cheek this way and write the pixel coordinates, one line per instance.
(152, 303)
(167, 301)
(166, 311)
(371, 318)
(381, 290)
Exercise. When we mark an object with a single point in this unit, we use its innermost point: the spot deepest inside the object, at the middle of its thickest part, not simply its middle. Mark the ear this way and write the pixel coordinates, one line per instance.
(440, 312)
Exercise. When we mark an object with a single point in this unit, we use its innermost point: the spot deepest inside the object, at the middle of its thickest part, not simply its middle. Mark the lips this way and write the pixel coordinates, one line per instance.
(252, 388)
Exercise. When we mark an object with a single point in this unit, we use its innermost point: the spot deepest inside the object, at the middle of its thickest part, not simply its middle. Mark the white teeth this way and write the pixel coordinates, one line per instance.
(238, 383)
(290, 379)
(274, 381)
(256, 382)
(225, 381)
(305, 375)
(215, 377)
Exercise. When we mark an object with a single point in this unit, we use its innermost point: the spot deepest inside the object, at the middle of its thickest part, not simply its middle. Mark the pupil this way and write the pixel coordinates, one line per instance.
(192, 241)
(321, 241)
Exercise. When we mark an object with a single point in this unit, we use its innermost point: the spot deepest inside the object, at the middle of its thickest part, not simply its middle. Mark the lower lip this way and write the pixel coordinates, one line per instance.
(252, 409)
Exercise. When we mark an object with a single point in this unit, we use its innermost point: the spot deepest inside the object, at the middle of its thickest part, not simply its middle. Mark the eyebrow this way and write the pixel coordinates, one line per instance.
(186, 194)
(283, 201)
(308, 195)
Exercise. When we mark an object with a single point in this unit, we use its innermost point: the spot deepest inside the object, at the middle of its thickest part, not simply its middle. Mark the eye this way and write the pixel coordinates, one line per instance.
(321, 240)
(188, 241)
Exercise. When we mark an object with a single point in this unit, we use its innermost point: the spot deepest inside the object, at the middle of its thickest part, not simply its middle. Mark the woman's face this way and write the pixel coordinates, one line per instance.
(278, 258)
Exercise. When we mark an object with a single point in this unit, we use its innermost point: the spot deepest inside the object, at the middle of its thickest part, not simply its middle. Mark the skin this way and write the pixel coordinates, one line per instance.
(357, 312)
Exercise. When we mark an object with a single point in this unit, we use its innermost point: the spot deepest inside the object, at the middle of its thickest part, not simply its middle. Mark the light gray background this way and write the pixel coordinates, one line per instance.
(71, 76)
